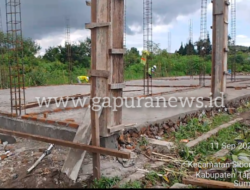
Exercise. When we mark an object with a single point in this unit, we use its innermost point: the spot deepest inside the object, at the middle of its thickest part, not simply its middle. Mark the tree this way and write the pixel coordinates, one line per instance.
(52, 54)
(181, 50)
(189, 48)
(29, 47)
(156, 49)
(204, 47)
(230, 41)
(132, 56)
(208, 45)
(80, 53)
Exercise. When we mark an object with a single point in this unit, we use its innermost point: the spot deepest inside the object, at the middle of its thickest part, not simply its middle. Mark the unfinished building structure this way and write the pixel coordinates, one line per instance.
(82, 125)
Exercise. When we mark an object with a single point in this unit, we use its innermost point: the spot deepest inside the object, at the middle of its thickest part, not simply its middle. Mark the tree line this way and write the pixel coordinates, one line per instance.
(52, 67)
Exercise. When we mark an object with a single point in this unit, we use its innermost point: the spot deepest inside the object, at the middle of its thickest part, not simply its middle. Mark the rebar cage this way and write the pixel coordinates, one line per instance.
(14, 45)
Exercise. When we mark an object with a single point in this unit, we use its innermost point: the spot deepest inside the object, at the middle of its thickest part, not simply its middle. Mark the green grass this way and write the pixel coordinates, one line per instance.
(242, 109)
(105, 183)
(132, 185)
(220, 119)
(195, 128)
(152, 177)
(143, 141)
(208, 147)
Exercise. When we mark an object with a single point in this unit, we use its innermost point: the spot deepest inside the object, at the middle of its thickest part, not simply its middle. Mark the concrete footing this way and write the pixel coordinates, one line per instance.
(6, 138)
(36, 128)
(109, 142)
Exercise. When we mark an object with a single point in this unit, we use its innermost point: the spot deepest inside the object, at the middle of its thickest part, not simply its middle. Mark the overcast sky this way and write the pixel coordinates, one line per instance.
(44, 21)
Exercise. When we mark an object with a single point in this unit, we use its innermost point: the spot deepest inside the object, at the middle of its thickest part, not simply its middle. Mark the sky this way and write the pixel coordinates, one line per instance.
(45, 21)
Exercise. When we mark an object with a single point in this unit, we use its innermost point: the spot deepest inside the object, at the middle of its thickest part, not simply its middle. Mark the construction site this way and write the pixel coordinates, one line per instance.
(142, 135)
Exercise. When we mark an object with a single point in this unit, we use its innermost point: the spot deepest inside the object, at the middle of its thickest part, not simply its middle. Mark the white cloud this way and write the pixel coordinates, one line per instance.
(242, 36)
(243, 40)
(178, 28)
(161, 28)
(135, 28)
(59, 39)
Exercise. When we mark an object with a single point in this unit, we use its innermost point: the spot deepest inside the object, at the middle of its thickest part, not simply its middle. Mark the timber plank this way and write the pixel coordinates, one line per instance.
(73, 162)
(208, 183)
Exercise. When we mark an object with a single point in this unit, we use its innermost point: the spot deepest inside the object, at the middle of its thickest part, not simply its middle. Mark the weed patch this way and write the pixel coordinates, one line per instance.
(132, 185)
(212, 145)
(105, 182)
(195, 128)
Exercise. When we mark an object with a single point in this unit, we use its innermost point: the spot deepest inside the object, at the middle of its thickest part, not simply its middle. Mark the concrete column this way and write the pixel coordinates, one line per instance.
(220, 47)
(107, 60)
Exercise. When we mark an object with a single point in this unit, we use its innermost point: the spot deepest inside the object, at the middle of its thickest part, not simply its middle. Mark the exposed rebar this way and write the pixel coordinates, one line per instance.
(14, 46)
(147, 42)
(203, 41)
(68, 46)
(233, 40)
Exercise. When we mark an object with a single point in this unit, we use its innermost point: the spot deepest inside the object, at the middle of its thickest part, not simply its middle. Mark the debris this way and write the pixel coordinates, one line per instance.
(70, 120)
(129, 147)
(238, 88)
(165, 178)
(158, 138)
(14, 176)
(7, 138)
(121, 139)
(126, 163)
(160, 146)
(9, 147)
(47, 152)
(221, 153)
(184, 141)
(148, 151)
(5, 155)
(179, 186)
(209, 183)
(231, 111)
(158, 187)
(172, 129)
(5, 143)
(135, 135)
(146, 171)
(45, 115)
(143, 130)
(2, 157)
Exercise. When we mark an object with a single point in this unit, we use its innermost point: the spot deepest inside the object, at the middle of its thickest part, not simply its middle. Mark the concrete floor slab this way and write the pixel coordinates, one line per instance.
(63, 90)
(142, 115)
(146, 115)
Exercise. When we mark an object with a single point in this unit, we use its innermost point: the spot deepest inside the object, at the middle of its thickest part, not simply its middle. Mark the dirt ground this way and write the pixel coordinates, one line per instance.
(24, 153)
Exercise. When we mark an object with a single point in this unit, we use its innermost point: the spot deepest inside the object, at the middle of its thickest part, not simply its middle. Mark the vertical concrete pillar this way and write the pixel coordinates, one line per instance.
(107, 26)
(220, 47)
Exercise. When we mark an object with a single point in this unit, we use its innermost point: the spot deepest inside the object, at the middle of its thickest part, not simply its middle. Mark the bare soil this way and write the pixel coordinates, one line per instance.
(13, 173)
(13, 169)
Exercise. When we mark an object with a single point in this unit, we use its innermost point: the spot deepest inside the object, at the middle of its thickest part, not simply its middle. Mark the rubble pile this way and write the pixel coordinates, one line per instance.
(129, 138)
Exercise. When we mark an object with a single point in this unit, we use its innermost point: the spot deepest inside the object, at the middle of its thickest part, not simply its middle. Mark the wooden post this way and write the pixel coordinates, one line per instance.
(220, 46)
(106, 57)
(116, 61)
(96, 142)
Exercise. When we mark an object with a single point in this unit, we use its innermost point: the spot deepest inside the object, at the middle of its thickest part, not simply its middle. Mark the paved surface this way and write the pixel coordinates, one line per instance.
(25, 152)
(144, 114)
(64, 90)
(130, 115)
